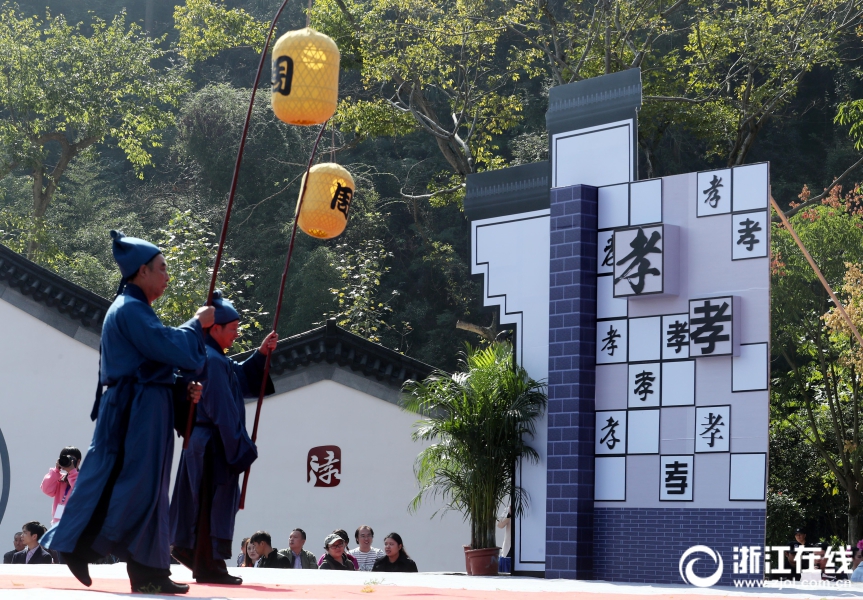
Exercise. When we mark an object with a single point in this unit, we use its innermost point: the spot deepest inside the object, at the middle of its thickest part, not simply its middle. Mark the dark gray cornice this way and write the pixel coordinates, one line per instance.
(507, 191)
(595, 101)
(47, 296)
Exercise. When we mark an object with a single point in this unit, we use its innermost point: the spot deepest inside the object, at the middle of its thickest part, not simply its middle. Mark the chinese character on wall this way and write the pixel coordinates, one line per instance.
(324, 466)
(640, 266)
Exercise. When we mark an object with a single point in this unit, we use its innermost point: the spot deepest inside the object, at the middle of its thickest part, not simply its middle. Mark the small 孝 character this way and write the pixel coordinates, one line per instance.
(712, 192)
(712, 424)
(677, 335)
(644, 384)
(610, 341)
(747, 233)
(610, 439)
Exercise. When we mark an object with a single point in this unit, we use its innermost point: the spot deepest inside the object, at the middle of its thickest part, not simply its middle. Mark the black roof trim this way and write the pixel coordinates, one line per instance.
(51, 290)
(335, 345)
(594, 101)
(508, 191)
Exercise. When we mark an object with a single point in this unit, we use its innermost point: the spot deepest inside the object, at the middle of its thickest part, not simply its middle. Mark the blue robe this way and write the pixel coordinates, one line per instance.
(220, 443)
(120, 501)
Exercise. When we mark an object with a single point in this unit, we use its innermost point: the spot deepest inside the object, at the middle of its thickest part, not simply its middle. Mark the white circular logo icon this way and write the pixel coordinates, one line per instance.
(688, 575)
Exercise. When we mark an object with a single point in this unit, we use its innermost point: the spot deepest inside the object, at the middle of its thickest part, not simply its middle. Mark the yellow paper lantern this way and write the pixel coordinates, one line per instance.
(305, 77)
(330, 190)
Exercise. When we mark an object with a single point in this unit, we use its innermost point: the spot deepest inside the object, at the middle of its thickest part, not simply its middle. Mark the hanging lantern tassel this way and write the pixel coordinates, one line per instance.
(305, 77)
(328, 199)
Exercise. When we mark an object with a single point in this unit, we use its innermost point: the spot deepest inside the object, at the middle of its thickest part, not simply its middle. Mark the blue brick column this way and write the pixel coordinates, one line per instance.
(571, 383)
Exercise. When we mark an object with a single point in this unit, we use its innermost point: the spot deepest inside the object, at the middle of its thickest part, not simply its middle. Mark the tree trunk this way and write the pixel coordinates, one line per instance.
(855, 518)
(40, 207)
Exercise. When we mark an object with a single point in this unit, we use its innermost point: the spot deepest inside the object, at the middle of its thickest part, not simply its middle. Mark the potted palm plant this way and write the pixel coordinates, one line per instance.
(479, 421)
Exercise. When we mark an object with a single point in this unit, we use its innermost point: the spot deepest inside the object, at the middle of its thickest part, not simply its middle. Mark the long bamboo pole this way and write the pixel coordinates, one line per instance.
(229, 208)
(279, 306)
(815, 268)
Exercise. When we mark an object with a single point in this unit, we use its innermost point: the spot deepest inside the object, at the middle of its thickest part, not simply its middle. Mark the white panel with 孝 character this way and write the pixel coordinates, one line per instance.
(714, 193)
(675, 336)
(638, 261)
(645, 383)
(711, 327)
(749, 235)
(611, 341)
(611, 432)
(712, 428)
(676, 478)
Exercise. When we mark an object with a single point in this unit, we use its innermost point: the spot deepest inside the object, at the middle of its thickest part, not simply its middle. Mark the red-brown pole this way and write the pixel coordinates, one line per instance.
(279, 306)
(233, 191)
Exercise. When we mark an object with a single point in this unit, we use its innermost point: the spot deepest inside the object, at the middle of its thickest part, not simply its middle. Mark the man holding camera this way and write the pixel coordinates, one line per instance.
(60, 480)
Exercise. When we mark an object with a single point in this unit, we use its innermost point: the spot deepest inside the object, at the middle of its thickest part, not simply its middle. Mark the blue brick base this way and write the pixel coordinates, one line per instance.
(644, 545)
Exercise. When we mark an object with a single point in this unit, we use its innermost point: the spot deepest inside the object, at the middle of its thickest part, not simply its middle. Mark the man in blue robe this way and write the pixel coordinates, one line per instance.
(207, 491)
(120, 502)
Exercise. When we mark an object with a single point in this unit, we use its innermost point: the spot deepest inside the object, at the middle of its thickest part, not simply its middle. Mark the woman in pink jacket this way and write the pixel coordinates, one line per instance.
(60, 480)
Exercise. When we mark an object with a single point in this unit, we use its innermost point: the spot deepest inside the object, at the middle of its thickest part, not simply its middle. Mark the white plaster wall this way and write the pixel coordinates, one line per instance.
(47, 383)
(377, 475)
(512, 252)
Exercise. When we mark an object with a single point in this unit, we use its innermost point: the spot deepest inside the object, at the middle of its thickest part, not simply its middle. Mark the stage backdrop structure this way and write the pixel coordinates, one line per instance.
(646, 305)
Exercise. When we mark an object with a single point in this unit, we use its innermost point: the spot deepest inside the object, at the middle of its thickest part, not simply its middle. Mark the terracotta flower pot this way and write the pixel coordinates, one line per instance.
(483, 562)
(466, 559)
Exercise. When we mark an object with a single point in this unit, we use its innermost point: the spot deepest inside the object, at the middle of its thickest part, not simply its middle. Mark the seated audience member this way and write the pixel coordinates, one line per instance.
(344, 535)
(18, 546)
(396, 560)
(270, 557)
(241, 557)
(60, 480)
(335, 559)
(365, 554)
(34, 553)
(299, 558)
(252, 557)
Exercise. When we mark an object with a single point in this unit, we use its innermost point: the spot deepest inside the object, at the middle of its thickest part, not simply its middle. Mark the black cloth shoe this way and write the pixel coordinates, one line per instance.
(78, 566)
(219, 578)
(157, 587)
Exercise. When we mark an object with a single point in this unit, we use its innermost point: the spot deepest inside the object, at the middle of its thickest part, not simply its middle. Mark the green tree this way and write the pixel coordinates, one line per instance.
(360, 309)
(816, 377)
(106, 81)
(189, 249)
(480, 419)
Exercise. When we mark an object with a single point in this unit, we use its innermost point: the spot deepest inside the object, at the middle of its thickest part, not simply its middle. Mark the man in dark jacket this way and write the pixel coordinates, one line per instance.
(207, 491)
(33, 553)
(270, 557)
(18, 547)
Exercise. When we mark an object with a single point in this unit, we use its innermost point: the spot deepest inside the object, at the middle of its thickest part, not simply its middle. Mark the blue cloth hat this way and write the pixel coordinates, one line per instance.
(130, 253)
(225, 311)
